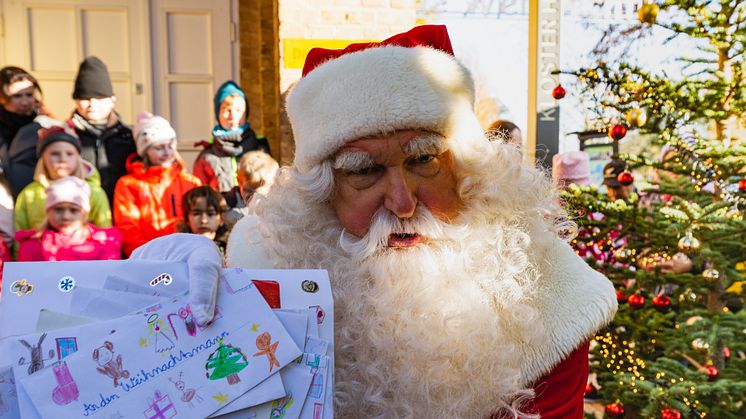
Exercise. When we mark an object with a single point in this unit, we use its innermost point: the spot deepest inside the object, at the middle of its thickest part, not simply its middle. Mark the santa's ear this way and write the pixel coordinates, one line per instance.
(95, 354)
(109, 345)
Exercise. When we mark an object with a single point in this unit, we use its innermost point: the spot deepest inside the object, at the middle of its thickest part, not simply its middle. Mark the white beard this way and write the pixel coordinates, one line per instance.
(431, 331)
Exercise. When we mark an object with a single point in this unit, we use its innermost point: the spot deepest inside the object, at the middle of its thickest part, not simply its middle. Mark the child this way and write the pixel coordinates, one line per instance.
(66, 234)
(256, 174)
(147, 201)
(203, 214)
(59, 156)
(231, 138)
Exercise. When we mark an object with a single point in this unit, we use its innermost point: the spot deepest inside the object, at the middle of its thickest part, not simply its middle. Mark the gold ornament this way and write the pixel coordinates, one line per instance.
(700, 345)
(636, 117)
(694, 319)
(711, 275)
(688, 296)
(623, 254)
(648, 13)
(688, 243)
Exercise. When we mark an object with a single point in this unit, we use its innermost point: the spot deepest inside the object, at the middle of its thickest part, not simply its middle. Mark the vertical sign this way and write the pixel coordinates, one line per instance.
(544, 57)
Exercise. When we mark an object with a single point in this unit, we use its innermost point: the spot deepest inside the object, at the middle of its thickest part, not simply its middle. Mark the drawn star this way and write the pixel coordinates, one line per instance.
(221, 398)
(255, 327)
(142, 342)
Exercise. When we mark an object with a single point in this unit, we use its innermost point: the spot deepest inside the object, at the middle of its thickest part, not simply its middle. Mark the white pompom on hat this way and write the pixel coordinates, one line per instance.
(151, 130)
(409, 81)
(69, 189)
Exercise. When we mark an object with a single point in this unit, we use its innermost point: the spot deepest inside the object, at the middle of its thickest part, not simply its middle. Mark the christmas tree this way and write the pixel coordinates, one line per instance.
(675, 249)
(226, 362)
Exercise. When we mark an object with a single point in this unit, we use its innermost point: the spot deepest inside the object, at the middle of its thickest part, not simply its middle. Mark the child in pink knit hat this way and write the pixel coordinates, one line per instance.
(66, 234)
(572, 167)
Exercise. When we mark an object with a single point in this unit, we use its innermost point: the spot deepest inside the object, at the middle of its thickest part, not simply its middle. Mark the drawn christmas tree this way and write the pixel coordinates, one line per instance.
(226, 362)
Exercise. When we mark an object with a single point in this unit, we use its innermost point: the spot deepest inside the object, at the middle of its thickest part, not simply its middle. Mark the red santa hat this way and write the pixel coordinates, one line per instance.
(409, 81)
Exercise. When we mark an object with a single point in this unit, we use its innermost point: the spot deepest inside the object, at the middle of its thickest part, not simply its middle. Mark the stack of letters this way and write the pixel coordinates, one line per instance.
(116, 339)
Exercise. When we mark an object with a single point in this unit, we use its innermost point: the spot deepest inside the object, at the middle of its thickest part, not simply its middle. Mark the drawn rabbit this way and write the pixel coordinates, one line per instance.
(37, 361)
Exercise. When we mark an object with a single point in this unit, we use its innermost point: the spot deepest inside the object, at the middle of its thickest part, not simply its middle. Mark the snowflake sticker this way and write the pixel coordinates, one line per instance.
(66, 284)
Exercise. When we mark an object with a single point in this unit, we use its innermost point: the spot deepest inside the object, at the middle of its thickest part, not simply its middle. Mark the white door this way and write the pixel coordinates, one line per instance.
(194, 51)
(50, 38)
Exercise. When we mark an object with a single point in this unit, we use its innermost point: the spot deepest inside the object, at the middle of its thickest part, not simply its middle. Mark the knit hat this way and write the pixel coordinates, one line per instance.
(225, 90)
(92, 80)
(54, 134)
(409, 81)
(571, 167)
(612, 171)
(151, 130)
(69, 189)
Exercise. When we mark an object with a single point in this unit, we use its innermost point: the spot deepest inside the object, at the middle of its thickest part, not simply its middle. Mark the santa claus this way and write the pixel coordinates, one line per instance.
(455, 294)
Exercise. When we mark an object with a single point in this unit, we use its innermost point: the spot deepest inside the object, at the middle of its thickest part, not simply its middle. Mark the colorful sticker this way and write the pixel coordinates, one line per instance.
(164, 277)
(66, 284)
(309, 286)
(21, 288)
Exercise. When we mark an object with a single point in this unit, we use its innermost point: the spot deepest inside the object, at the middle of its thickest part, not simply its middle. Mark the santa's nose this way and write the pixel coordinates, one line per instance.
(400, 196)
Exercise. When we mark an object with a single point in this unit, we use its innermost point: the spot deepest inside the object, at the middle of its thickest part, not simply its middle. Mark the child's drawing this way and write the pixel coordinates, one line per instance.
(226, 362)
(65, 347)
(266, 347)
(37, 360)
(281, 406)
(187, 394)
(185, 314)
(156, 330)
(107, 364)
(160, 407)
(66, 390)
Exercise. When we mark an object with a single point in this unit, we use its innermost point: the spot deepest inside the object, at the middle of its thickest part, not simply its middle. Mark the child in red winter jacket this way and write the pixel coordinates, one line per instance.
(147, 201)
(66, 234)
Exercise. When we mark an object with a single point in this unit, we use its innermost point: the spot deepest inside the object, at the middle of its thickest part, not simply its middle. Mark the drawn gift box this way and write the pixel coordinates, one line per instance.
(160, 407)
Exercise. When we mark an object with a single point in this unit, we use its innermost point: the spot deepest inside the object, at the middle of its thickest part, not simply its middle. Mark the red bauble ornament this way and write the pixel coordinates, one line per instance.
(670, 414)
(712, 373)
(625, 178)
(617, 132)
(615, 410)
(666, 197)
(559, 92)
(636, 301)
(661, 302)
(742, 185)
(590, 391)
(726, 353)
(620, 297)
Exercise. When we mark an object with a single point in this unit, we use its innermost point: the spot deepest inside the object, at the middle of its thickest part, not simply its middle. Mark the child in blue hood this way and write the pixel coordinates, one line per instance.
(232, 137)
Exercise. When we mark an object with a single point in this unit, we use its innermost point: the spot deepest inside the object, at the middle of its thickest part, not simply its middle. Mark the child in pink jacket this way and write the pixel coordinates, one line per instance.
(66, 234)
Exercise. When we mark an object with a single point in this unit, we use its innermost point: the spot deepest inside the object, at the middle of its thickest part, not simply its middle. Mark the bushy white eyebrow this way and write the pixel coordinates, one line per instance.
(433, 144)
(352, 160)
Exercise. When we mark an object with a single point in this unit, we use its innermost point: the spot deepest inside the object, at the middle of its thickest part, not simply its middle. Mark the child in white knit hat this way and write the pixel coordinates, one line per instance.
(66, 233)
(147, 201)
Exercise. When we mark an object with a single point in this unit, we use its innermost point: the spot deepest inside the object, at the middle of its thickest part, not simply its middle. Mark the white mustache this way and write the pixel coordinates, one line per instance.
(385, 223)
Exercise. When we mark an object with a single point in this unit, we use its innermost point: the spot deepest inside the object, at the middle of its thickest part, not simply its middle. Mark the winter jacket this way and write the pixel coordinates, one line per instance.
(217, 165)
(18, 152)
(30, 213)
(90, 244)
(147, 202)
(107, 148)
(6, 213)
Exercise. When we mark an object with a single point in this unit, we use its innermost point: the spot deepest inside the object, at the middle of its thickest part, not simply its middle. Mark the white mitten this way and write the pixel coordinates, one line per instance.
(204, 263)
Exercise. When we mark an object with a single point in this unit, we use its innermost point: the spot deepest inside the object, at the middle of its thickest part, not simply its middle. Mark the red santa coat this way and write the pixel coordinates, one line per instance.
(559, 394)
